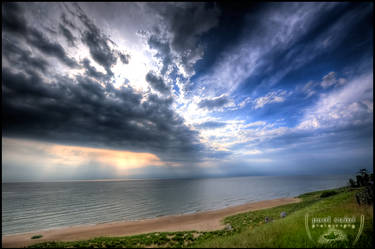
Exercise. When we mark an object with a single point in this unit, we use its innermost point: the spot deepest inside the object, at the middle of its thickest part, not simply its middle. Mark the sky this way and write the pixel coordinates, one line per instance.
(180, 90)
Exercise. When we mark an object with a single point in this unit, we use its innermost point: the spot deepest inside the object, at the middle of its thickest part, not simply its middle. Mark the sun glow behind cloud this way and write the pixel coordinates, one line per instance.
(50, 155)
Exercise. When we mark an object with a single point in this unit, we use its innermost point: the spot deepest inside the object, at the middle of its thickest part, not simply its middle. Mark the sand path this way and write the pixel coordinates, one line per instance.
(202, 221)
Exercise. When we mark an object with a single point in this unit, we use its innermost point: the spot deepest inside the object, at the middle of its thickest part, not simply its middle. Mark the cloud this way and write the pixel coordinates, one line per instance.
(350, 105)
(83, 107)
(38, 40)
(13, 19)
(67, 22)
(15, 23)
(163, 51)
(157, 83)
(211, 125)
(328, 80)
(80, 111)
(183, 24)
(99, 49)
(92, 72)
(255, 124)
(193, 118)
(22, 58)
(32, 160)
(124, 58)
(74, 156)
(325, 29)
(271, 97)
(214, 103)
(267, 35)
(310, 88)
(67, 34)
(98, 43)
(331, 80)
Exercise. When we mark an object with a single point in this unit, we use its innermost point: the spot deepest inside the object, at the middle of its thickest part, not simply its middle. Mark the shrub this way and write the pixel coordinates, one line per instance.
(352, 183)
(365, 196)
(37, 236)
(327, 193)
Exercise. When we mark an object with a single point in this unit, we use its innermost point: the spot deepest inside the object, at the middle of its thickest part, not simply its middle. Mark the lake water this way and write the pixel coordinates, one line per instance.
(34, 206)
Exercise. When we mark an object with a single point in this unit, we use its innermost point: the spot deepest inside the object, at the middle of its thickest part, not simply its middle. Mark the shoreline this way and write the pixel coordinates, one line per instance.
(199, 221)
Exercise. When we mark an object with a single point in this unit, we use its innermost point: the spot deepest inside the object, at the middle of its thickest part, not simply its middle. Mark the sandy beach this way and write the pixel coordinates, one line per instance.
(202, 221)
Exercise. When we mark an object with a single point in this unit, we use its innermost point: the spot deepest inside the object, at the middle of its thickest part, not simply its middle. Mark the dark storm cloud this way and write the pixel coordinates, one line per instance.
(66, 22)
(71, 12)
(99, 50)
(50, 30)
(214, 103)
(97, 42)
(124, 58)
(12, 18)
(92, 72)
(67, 34)
(21, 58)
(164, 52)
(38, 40)
(15, 23)
(83, 112)
(157, 83)
(186, 22)
(211, 125)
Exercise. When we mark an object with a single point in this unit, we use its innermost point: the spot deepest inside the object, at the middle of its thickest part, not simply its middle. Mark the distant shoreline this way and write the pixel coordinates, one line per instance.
(199, 221)
(167, 179)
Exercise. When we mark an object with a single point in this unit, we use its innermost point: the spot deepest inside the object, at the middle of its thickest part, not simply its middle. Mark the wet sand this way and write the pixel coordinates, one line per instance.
(202, 221)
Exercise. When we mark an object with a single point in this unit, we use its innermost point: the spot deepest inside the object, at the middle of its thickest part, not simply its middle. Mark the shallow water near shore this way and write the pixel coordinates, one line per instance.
(28, 207)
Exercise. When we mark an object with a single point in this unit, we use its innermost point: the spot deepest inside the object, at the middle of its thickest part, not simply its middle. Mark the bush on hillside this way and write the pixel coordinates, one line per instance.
(327, 194)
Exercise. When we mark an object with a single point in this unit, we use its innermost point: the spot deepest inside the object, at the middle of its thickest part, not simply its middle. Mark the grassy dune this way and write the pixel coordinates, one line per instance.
(250, 230)
(290, 231)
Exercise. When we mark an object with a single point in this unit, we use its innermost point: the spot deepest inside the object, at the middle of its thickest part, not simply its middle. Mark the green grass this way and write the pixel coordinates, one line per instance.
(290, 231)
(250, 229)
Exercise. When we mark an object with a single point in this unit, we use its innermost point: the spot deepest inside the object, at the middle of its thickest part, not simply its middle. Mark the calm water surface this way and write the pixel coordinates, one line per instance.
(33, 206)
